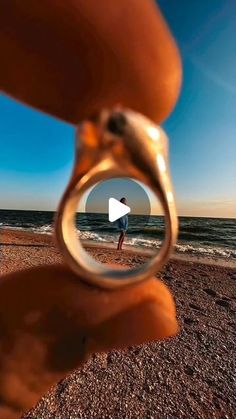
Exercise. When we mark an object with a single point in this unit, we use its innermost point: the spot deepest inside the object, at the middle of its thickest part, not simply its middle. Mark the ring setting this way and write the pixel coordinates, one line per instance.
(117, 143)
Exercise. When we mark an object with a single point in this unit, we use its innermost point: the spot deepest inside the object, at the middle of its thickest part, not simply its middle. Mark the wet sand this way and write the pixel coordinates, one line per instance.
(190, 376)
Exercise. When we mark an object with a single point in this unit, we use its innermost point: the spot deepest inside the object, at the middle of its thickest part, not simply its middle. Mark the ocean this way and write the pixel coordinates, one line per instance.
(212, 237)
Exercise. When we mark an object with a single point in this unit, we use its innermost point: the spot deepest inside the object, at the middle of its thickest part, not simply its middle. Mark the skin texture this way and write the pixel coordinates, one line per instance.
(121, 240)
(70, 59)
(51, 321)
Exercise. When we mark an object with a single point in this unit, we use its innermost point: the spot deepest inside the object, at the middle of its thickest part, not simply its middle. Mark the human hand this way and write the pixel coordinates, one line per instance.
(71, 59)
(50, 322)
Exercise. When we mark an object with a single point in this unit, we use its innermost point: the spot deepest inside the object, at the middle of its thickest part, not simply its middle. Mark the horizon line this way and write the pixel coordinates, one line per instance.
(151, 215)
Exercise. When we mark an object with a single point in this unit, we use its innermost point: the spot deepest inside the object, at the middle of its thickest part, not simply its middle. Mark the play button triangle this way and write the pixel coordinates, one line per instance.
(116, 209)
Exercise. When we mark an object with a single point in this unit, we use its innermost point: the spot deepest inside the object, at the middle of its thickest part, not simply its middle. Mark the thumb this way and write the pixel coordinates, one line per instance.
(51, 322)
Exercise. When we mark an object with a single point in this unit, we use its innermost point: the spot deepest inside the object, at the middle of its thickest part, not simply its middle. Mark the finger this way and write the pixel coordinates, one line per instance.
(8, 413)
(51, 322)
(73, 58)
(149, 320)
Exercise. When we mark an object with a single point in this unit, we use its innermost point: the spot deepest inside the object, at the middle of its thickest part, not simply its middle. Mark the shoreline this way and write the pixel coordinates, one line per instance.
(11, 237)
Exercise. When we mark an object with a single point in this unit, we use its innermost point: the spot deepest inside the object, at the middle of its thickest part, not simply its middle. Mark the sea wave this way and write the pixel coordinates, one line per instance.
(181, 247)
(45, 229)
(209, 251)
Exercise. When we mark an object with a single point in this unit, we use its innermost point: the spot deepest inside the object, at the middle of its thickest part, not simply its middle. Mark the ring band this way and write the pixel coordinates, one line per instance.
(118, 143)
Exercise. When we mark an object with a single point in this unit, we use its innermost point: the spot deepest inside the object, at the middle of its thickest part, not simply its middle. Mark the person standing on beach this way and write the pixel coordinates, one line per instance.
(122, 225)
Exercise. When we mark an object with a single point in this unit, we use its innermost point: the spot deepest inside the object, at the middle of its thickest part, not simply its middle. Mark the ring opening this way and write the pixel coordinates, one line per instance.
(120, 224)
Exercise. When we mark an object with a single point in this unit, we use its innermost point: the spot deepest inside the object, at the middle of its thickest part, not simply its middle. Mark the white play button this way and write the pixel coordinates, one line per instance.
(116, 209)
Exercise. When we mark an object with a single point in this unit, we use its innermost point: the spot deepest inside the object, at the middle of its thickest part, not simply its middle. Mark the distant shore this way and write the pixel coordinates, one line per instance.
(190, 376)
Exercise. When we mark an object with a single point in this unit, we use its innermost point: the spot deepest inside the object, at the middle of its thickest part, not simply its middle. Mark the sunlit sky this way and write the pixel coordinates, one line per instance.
(137, 197)
(37, 151)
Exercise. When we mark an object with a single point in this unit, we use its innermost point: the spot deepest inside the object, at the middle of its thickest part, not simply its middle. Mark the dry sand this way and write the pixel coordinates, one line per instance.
(190, 376)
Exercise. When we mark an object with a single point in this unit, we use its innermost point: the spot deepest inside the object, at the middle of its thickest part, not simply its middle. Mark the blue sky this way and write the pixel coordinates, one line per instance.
(37, 151)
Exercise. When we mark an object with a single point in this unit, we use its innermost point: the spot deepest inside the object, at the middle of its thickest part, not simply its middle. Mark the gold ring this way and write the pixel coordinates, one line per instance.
(119, 142)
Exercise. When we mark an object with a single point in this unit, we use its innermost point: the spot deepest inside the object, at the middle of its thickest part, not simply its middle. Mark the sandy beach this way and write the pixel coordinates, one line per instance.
(190, 376)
